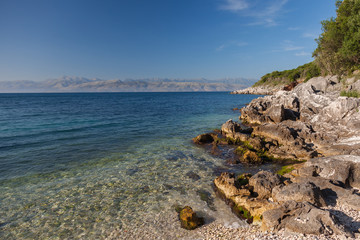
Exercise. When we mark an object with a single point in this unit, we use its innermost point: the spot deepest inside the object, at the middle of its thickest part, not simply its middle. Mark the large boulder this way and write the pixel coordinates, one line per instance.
(263, 182)
(303, 217)
(225, 183)
(204, 138)
(251, 208)
(238, 194)
(299, 192)
(188, 219)
(333, 192)
(344, 169)
(235, 130)
(294, 139)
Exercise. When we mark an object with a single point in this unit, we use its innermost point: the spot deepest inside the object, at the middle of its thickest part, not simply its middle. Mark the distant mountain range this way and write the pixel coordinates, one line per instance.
(80, 84)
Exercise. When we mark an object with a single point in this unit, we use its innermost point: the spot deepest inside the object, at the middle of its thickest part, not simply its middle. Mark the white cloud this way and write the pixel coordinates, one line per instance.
(292, 48)
(293, 28)
(234, 5)
(289, 46)
(241, 44)
(302, 54)
(231, 44)
(260, 13)
(310, 35)
(221, 47)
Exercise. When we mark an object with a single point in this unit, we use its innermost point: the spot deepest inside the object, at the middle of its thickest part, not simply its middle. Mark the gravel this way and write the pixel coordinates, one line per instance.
(167, 226)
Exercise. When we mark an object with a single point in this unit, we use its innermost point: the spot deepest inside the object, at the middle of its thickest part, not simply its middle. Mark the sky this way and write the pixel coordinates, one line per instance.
(111, 39)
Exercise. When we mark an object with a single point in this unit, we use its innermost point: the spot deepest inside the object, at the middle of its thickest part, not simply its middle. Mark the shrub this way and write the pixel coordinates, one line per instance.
(304, 72)
(338, 48)
(353, 93)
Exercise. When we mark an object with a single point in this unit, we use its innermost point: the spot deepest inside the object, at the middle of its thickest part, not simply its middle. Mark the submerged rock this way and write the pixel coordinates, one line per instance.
(189, 220)
(194, 176)
(246, 155)
(204, 138)
(251, 157)
(206, 197)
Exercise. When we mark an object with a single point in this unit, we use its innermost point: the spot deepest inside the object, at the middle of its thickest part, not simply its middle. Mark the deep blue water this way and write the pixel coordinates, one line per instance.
(47, 132)
(60, 151)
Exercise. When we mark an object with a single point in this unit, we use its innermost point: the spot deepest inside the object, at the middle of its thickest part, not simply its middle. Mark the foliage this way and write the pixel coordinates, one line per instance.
(338, 50)
(304, 72)
(352, 93)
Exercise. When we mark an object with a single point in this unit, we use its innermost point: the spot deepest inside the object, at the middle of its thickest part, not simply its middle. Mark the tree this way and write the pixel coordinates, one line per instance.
(338, 48)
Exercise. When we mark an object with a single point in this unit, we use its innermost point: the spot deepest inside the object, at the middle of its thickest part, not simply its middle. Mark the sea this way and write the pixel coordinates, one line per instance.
(95, 165)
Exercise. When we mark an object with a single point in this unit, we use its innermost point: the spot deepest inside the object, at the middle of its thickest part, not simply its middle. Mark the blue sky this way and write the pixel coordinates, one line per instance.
(109, 39)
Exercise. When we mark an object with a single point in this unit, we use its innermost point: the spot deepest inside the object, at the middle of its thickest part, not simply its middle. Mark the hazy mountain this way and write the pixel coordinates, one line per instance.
(80, 84)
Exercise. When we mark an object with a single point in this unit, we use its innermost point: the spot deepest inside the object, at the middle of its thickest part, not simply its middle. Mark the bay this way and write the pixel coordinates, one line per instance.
(89, 165)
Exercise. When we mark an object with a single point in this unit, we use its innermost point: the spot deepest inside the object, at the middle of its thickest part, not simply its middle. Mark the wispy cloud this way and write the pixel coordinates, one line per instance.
(310, 35)
(260, 13)
(289, 46)
(231, 44)
(302, 54)
(234, 5)
(221, 47)
(293, 28)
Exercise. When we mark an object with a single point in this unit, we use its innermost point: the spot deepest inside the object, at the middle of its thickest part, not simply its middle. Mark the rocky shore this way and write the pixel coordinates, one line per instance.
(260, 90)
(311, 123)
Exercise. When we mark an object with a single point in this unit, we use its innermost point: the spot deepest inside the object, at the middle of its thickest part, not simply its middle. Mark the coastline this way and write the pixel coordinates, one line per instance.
(259, 90)
(115, 178)
(270, 116)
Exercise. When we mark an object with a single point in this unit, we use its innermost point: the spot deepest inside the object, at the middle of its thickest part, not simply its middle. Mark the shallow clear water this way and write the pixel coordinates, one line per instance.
(84, 165)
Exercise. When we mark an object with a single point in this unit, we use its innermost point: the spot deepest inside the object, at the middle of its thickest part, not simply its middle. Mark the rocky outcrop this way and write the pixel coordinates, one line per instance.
(303, 217)
(336, 177)
(297, 201)
(309, 121)
(263, 182)
(236, 131)
(299, 192)
(204, 138)
(239, 195)
(343, 169)
(260, 90)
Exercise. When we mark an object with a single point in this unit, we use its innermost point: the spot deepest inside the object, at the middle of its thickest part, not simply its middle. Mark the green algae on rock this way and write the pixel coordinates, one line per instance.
(285, 169)
(189, 220)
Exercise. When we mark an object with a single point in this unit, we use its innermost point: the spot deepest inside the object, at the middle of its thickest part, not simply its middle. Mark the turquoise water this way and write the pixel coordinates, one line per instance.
(88, 164)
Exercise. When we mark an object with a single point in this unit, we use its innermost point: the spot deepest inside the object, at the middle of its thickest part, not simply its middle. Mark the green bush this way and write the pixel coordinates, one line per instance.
(337, 53)
(353, 93)
(304, 72)
(338, 50)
